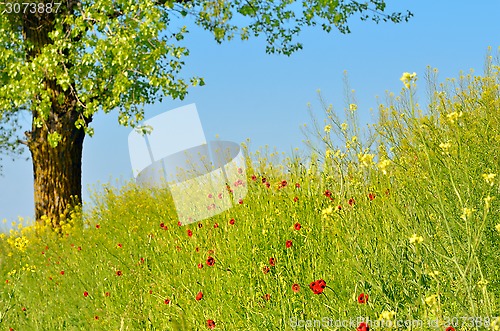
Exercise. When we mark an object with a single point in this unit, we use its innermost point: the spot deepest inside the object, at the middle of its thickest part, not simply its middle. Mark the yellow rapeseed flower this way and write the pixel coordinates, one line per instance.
(467, 212)
(407, 78)
(366, 159)
(489, 178)
(497, 227)
(416, 239)
(387, 315)
(327, 212)
(328, 128)
(445, 147)
(452, 117)
(487, 202)
(382, 165)
(344, 126)
(353, 107)
(328, 153)
(431, 300)
(495, 325)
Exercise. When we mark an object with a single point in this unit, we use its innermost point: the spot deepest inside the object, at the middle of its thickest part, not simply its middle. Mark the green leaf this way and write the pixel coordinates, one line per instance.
(54, 138)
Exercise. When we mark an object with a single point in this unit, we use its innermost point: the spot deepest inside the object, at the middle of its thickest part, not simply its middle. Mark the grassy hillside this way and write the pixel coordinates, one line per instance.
(400, 227)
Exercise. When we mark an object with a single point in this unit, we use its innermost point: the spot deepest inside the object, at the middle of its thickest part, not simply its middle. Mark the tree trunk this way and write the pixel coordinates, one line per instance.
(57, 171)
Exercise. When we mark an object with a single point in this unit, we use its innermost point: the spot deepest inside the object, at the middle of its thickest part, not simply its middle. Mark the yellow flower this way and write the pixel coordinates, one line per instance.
(487, 201)
(445, 146)
(387, 315)
(452, 117)
(432, 300)
(495, 325)
(467, 212)
(382, 165)
(407, 78)
(366, 159)
(344, 126)
(326, 212)
(328, 153)
(482, 282)
(488, 178)
(328, 128)
(353, 107)
(416, 239)
(497, 227)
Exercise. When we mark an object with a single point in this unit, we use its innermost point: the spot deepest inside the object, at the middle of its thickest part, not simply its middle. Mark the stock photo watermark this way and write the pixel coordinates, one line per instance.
(478, 322)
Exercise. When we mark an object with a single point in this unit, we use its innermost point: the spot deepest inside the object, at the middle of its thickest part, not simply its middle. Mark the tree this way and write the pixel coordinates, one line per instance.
(63, 62)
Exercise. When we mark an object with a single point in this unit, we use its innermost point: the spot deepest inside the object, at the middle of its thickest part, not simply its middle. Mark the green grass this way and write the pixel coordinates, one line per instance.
(417, 233)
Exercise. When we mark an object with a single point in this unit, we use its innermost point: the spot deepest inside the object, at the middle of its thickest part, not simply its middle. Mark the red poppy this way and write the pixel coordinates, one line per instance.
(272, 261)
(363, 298)
(210, 261)
(119, 245)
(167, 301)
(119, 273)
(288, 243)
(295, 199)
(254, 178)
(263, 180)
(297, 185)
(328, 194)
(190, 233)
(297, 226)
(240, 171)
(62, 272)
(210, 196)
(351, 202)
(450, 328)
(296, 288)
(179, 223)
(284, 183)
(231, 221)
(216, 225)
(96, 317)
(265, 269)
(267, 297)
(371, 196)
(363, 327)
(318, 286)
(85, 294)
(97, 226)
(199, 296)
(200, 265)
(210, 324)
(107, 294)
(23, 309)
(162, 225)
(268, 185)
(240, 201)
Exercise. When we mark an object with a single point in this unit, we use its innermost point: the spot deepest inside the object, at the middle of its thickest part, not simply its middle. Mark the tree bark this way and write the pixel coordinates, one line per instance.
(57, 171)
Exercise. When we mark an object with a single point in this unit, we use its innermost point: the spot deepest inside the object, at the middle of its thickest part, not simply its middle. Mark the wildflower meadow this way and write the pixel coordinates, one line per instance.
(390, 226)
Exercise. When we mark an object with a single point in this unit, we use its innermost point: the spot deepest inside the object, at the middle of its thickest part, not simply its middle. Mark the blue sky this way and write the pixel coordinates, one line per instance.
(250, 94)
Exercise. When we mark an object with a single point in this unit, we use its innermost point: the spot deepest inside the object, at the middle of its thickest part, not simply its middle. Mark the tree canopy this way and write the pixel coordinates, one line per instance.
(61, 62)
